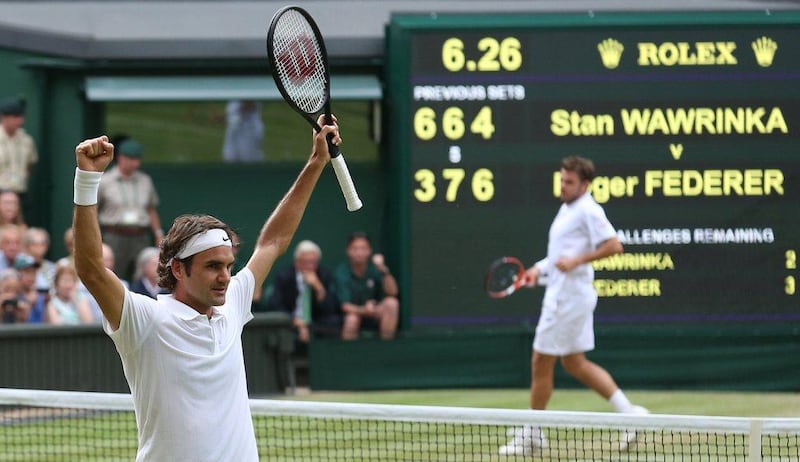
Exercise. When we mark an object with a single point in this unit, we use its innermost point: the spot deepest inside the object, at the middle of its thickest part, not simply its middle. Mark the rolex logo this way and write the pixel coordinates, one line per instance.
(610, 52)
(764, 49)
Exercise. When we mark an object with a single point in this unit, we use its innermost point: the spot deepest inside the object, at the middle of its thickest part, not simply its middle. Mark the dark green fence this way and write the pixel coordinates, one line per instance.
(644, 357)
(83, 358)
(647, 357)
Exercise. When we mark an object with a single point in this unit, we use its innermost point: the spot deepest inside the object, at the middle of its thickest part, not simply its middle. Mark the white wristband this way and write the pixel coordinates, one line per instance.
(86, 186)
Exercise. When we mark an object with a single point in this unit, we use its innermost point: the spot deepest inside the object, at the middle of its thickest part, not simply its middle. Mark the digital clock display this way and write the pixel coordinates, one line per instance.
(692, 121)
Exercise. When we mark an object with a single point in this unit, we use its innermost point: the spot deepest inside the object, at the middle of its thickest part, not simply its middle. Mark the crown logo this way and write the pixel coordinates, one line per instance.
(764, 49)
(610, 52)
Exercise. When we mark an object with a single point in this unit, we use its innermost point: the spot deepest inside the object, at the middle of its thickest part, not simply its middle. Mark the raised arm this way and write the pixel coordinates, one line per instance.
(93, 156)
(277, 232)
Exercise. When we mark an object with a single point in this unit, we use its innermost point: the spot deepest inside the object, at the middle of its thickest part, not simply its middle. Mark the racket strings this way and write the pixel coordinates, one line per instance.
(300, 64)
(502, 276)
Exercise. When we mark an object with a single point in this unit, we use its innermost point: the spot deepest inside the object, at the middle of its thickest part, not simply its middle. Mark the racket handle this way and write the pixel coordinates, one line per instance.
(346, 183)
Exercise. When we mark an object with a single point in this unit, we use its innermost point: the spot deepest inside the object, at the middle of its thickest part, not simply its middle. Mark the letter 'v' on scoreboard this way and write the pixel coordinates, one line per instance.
(692, 119)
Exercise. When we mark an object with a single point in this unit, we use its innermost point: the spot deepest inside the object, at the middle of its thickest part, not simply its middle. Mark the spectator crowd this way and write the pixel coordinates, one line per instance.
(358, 295)
(34, 289)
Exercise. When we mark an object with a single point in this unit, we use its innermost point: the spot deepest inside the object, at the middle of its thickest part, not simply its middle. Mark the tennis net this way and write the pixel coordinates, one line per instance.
(38, 425)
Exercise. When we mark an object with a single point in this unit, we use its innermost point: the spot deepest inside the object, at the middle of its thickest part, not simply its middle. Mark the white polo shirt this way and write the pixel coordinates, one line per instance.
(578, 228)
(186, 374)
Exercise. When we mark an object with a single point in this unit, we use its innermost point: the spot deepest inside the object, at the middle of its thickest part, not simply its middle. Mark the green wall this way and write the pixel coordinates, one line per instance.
(65, 128)
(244, 195)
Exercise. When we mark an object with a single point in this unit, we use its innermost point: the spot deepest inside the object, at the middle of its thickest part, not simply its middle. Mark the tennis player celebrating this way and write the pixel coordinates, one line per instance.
(579, 234)
(182, 353)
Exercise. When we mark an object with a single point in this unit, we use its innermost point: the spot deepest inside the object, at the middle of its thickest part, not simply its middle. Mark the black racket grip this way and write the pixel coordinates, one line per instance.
(343, 177)
(332, 148)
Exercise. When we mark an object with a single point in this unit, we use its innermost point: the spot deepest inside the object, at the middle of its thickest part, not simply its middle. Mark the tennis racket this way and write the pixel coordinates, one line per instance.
(504, 277)
(299, 66)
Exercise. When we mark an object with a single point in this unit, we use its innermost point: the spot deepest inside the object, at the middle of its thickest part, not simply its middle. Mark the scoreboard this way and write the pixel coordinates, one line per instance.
(692, 120)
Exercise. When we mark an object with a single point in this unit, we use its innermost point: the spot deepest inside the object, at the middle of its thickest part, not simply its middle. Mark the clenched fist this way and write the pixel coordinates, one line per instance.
(95, 154)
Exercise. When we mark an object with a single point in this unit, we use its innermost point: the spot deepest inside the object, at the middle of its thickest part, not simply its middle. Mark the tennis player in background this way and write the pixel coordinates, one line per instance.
(579, 235)
(182, 353)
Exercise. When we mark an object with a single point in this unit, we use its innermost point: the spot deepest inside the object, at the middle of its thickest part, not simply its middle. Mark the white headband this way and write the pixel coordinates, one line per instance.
(215, 237)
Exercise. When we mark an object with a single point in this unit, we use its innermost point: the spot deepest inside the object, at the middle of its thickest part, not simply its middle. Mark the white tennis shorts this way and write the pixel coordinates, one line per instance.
(566, 326)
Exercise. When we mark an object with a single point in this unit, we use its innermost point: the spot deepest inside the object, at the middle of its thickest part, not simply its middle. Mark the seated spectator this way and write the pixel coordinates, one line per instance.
(367, 291)
(36, 244)
(10, 245)
(35, 300)
(145, 279)
(13, 309)
(10, 209)
(305, 291)
(94, 307)
(67, 305)
(69, 261)
(69, 244)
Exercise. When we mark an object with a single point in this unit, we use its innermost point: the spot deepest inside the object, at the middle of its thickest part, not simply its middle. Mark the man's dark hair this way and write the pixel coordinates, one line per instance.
(358, 235)
(580, 165)
(184, 228)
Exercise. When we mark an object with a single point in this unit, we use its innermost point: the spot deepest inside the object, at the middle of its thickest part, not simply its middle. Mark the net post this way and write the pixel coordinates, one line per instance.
(755, 440)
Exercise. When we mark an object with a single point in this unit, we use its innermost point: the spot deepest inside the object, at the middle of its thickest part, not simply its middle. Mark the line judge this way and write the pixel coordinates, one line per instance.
(127, 208)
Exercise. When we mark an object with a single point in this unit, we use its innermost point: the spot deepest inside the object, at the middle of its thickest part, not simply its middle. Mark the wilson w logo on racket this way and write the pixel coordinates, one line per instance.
(299, 60)
(299, 65)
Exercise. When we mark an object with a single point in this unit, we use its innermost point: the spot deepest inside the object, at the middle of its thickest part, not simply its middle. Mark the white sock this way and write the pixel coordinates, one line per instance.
(620, 401)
